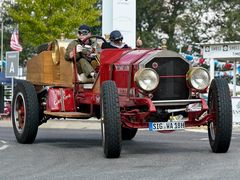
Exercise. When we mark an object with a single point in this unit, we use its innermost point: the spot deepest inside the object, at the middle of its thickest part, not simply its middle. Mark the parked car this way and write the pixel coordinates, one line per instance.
(134, 88)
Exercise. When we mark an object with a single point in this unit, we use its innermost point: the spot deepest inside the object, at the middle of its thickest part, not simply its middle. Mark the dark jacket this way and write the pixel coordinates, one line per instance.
(108, 45)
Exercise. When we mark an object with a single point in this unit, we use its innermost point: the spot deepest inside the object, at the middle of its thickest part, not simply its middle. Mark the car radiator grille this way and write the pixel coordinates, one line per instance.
(172, 73)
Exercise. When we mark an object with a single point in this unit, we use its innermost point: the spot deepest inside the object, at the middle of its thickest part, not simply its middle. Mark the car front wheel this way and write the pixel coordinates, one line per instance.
(110, 120)
(220, 108)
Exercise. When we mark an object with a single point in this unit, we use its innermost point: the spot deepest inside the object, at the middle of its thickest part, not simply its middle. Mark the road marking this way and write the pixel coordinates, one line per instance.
(203, 139)
(206, 139)
(4, 146)
(236, 133)
(197, 130)
(4, 142)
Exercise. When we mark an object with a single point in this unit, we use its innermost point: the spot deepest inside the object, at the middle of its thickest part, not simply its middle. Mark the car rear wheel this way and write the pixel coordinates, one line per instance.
(220, 107)
(110, 120)
(25, 112)
(128, 133)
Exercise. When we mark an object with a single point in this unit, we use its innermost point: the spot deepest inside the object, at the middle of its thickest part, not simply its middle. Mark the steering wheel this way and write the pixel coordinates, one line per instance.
(96, 42)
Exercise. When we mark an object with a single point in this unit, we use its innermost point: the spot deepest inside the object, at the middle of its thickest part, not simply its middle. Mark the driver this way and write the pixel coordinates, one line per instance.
(83, 65)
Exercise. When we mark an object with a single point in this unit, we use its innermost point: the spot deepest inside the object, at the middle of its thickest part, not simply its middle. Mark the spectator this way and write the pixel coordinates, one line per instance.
(116, 41)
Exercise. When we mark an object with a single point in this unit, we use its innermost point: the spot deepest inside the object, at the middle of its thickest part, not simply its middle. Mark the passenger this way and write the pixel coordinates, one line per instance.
(116, 41)
(83, 65)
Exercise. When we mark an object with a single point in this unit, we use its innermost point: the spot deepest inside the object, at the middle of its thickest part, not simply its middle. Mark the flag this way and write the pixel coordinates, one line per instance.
(14, 43)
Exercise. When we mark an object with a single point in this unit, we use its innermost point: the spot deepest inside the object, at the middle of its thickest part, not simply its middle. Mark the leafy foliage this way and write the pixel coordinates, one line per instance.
(188, 21)
(157, 17)
(227, 19)
(42, 20)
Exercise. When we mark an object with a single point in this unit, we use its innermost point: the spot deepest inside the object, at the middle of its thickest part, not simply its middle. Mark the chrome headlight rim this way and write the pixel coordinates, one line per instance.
(139, 74)
(190, 74)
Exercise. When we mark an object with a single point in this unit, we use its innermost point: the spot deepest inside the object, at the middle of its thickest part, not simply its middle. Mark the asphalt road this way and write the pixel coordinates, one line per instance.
(77, 154)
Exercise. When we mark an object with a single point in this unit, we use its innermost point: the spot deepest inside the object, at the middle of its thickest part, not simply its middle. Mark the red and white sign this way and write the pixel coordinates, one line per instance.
(60, 100)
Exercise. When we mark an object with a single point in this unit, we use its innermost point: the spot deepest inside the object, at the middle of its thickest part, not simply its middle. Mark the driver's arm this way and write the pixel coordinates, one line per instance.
(70, 51)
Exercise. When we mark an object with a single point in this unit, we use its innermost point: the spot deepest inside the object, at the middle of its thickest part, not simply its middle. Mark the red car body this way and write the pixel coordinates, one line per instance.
(120, 66)
(134, 88)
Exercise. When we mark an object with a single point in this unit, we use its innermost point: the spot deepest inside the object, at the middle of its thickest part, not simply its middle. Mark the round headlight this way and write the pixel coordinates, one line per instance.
(198, 78)
(146, 79)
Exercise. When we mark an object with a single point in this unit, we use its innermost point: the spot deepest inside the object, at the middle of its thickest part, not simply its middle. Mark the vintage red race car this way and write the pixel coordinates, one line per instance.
(134, 88)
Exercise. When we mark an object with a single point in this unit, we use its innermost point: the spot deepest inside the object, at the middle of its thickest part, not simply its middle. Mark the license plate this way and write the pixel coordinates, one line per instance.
(170, 125)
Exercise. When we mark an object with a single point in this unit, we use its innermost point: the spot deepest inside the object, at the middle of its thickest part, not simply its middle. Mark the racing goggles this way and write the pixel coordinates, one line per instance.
(118, 39)
(83, 32)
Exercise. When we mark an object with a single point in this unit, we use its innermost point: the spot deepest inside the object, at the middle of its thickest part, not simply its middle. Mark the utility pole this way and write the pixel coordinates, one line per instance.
(1, 44)
(1, 19)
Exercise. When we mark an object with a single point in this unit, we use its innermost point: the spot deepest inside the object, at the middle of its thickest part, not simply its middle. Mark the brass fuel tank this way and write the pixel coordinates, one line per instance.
(55, 47)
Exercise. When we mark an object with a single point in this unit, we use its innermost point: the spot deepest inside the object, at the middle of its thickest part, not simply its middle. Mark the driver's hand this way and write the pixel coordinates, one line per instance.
(79, 48)
(88, 48)
(93, 55)
(139, 42)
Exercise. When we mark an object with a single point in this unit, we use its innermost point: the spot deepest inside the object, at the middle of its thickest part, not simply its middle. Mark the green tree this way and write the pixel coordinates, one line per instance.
(227, 19)
(156, 17)
(194, 24)
(188, 21)
(6, 28)
(42, 20)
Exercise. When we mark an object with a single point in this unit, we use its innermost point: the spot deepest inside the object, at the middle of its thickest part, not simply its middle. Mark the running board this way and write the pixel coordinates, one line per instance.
(68, 114)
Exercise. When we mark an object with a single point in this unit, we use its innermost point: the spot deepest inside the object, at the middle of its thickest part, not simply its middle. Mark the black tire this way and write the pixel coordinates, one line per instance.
(220, 106)
(128, 133)
(110, 120)
(42, 96)
(42, 47)
(25, 112)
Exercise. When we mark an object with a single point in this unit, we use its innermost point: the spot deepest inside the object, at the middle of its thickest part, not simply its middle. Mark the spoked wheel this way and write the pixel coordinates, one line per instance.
(25, 112)
(128, 133)
(220, 107)
(110, 120)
